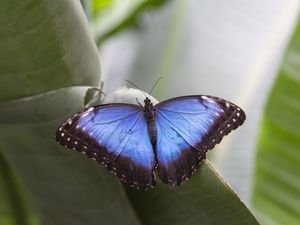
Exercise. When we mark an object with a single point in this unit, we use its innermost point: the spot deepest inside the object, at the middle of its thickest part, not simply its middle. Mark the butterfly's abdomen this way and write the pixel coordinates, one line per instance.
(152, 132)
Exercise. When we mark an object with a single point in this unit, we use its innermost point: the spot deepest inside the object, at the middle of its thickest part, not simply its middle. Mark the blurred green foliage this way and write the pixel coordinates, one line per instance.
(112, 16)
(99, 6)
(13, 206)
(276, 192)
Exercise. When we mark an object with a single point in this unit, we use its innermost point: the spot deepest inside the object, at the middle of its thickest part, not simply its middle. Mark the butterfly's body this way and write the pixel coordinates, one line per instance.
(149, 113)
(133, 141)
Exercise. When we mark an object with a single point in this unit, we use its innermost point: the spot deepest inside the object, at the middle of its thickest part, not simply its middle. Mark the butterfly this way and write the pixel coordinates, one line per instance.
(133, 141)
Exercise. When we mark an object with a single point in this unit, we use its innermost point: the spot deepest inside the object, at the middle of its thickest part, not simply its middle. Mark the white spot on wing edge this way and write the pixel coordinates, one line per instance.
(84, 114)
(211, 100)
(90, 109)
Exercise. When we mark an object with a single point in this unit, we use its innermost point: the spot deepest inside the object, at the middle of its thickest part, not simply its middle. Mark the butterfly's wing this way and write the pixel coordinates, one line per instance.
(186, 128)
(114, 135)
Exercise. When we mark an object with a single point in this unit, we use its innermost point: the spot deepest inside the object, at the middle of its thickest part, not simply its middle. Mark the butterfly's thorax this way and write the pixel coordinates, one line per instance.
(149, 113)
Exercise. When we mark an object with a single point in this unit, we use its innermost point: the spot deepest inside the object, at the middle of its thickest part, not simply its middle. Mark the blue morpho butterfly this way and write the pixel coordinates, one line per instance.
(171, 137)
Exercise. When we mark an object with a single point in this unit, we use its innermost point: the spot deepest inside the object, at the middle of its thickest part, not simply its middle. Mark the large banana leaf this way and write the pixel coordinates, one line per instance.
(276, 194)
(48, 62)
(42, 49)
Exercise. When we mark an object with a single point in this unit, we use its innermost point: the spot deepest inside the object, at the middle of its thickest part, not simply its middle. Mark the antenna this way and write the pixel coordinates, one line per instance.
(155, 85)
(132, 84)
(136, 87)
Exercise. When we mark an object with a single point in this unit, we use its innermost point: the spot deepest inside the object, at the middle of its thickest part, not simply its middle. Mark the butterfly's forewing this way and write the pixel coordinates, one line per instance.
(115, 135)
(186, 128)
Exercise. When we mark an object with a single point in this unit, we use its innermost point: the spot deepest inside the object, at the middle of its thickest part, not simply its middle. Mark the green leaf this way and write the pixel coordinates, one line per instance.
(41, 48)
(276, 192)
(13, 206)
(206, 199)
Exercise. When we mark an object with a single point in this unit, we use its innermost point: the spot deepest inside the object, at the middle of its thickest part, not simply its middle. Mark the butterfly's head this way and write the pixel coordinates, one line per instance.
(147, 101)
(148, 105)
(148, 109)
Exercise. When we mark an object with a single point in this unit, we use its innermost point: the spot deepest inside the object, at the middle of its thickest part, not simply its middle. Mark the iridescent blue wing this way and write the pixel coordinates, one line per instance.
(186, 128)
(115, 135)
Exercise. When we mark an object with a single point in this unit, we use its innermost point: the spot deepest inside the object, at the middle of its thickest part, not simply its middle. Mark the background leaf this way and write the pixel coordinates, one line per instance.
(112, 16)
(41, 48)
(276, 193)
(13, 207)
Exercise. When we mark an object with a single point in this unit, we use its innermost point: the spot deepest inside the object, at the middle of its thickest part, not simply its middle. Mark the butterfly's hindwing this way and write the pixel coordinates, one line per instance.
(114, 135)
(186, 128)
(177, 160)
